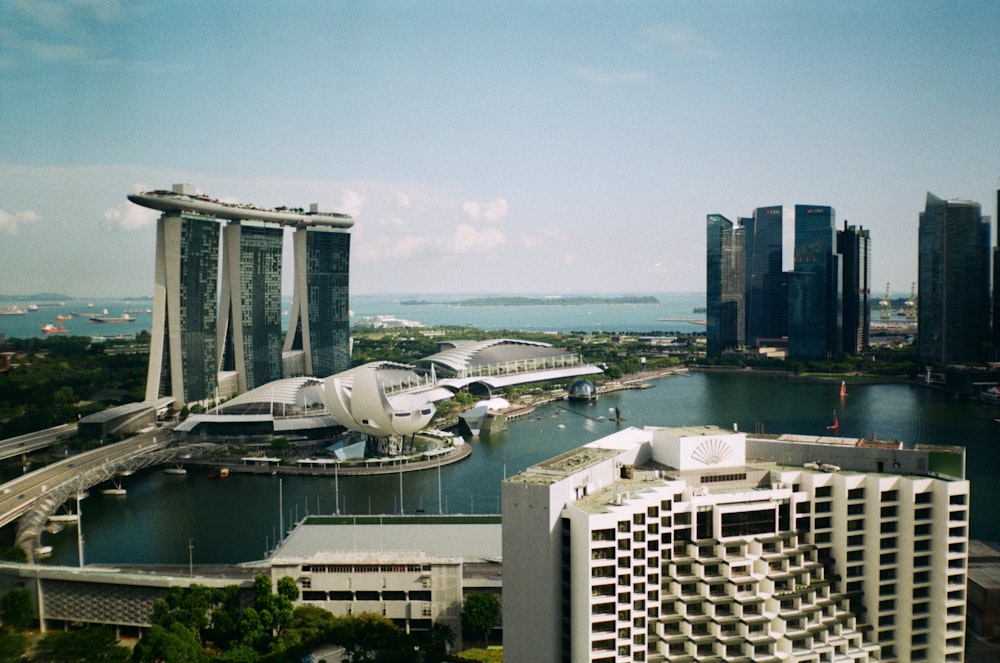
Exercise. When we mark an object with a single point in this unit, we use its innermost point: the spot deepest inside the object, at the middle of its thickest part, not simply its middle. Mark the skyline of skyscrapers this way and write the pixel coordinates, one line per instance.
(817, 309)
(214, 339)
(953, 271)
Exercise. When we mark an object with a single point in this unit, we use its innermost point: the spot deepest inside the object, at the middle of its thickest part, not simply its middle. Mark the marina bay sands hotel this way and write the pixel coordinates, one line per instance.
(215, 337)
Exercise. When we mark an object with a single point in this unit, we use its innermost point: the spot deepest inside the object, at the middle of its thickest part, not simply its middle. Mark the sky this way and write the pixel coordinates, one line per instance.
(519, 147)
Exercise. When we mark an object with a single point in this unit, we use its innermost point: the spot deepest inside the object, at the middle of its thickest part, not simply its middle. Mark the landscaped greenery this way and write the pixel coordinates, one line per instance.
(56, 380)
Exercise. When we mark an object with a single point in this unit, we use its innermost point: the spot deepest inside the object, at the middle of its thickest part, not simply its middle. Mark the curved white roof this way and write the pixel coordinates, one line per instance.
(291, 393)
(464, 355)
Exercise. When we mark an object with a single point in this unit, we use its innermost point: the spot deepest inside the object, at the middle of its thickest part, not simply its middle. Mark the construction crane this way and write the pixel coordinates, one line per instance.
(885, 306)
(910, 306)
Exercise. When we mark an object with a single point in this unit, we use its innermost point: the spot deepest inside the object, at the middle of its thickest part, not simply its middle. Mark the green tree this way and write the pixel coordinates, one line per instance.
(439, 640)
(480, 614)
(288, 588)
(172, 644)
(371, 638)
(94, 644)
(13, 646)
(17, 608)
(309, 627)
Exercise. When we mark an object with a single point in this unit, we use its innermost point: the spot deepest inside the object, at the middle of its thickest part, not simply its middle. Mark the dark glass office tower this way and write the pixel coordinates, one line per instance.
(725, 321)
(814, 315)
(320, 327)
(182, 353)
(954, 306)
(765, 299)
(996, 288)
(250, 334)
(854, 246)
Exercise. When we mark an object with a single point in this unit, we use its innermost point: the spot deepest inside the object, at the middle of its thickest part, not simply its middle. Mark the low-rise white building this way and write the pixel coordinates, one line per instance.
(702, 544)
(413, 570)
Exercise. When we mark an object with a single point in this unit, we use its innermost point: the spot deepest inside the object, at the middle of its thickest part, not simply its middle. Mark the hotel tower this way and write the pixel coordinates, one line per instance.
(215, 339)
(680, 545)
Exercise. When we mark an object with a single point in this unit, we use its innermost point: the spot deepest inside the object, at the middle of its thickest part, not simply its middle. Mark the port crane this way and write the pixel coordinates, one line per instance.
(885, 305)
(910, 306)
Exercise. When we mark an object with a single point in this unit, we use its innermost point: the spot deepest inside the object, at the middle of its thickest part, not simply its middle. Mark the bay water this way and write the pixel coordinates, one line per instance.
(238, 519)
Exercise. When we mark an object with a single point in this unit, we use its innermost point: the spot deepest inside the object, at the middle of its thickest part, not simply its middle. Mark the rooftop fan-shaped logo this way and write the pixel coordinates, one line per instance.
(711, 452)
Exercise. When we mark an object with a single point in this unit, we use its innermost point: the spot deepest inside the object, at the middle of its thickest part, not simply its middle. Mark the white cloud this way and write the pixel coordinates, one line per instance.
(10, 222)
(353, 202)
(128, 216)
(468, 240)
(567, 259)
(530, 242)
(595, 75)
(403, 200)
(681, 40)
(491, 211)
(395, 248)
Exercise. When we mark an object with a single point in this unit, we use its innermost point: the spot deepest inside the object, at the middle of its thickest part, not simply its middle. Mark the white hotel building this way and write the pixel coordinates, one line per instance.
(699, 544)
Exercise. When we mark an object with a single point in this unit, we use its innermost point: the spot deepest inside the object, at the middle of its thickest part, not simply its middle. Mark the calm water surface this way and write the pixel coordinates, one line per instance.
(236, 519)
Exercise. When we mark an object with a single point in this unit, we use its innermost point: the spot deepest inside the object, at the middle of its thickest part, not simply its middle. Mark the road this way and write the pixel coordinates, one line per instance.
(25, 444)
(19, 495)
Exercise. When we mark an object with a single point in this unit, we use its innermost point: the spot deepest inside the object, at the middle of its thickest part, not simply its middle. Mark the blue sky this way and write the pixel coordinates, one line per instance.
(527, 147)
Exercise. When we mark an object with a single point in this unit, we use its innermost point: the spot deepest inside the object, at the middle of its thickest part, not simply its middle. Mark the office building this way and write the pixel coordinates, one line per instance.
(954, 308)
(318, 339)
(250, 327)
(854, 246)
(203, 348)
(996, 288)
(703, 544)
(814, 313)
(765, 287)
(725, 321)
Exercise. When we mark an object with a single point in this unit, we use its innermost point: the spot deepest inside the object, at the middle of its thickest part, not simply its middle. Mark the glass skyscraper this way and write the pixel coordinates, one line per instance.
(250, 334)
(725, 322)
(765, 298)
(814, 314)
(196, 356)
(182, 353)
(854, 246)
(319, 330)
(954, 306)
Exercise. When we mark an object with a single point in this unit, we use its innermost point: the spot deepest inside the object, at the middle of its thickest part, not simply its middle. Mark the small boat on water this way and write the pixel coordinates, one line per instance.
(11, 310)
(175, 470)
(220, 474)
(835, 426)
(42, 552)
(843, 388)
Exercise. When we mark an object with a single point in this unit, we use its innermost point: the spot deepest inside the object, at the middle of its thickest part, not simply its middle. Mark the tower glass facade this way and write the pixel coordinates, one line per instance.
(854, 247)
(954, 277)
(320, 325)
(724, 305)
(765, 287)
(251, 302)
(183, 345)
(814, 315)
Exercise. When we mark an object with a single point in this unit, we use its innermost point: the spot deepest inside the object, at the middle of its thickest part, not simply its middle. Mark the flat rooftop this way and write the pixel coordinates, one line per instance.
(471, 538)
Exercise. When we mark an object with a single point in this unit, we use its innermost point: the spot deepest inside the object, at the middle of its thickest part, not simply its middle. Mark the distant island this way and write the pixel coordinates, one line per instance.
(539, 301)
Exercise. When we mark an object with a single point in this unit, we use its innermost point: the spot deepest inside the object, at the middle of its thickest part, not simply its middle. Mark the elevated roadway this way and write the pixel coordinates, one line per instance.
(31, 498)
(26, 444)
